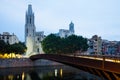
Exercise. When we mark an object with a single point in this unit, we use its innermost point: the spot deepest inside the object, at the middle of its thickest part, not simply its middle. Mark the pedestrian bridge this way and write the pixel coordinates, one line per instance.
(100, 66)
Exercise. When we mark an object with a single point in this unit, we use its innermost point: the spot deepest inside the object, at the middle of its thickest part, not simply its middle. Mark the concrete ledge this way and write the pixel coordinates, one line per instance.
(15, 62)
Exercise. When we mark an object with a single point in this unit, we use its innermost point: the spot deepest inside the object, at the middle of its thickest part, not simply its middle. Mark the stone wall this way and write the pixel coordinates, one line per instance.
(25, 62)
(15, 62)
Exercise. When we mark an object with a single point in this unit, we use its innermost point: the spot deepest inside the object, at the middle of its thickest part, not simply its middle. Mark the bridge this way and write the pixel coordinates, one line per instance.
(104, 66)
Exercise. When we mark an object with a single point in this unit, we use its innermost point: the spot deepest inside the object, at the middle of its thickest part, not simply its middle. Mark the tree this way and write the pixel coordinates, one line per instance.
(14, 48)
(71, 44)
(75, 43)
(2, 46)
(51, 44)
(18, 48)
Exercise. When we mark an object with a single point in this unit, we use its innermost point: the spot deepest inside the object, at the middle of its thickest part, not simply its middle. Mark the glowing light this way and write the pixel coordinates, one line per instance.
(56, 72)
(18, 76)
(61, 72)
(10, 55)
(1, 56)
(18, 56)
(13, 55)
(10, 77)
(6, 55)
(97, 58)
(23, 76)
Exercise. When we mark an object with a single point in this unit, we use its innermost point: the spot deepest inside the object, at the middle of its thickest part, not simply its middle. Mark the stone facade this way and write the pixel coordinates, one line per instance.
(32, 38)
(63, 33)
(9, 38)
(95, 45)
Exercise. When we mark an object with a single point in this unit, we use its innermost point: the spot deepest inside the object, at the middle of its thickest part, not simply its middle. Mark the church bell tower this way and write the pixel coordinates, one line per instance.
(71, 27)
(29, 30)
(29, 23)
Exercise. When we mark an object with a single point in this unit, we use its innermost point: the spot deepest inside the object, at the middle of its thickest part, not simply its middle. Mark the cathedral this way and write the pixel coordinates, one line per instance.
(32, 38)
(63, 33)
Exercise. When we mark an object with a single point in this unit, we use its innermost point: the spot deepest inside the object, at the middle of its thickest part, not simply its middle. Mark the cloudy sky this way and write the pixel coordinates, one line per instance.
(90, 17)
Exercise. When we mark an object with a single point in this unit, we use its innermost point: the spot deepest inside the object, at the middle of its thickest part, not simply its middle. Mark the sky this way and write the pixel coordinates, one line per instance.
(90, 17)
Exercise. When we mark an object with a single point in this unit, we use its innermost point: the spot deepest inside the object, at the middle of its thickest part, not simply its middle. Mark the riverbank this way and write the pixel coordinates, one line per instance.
(15, 62)
(25, 62)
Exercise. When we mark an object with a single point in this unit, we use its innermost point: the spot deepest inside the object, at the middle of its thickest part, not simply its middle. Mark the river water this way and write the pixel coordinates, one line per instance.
(61, 72)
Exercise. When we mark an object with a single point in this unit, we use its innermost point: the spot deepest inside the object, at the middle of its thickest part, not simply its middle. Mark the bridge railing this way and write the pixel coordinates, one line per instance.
(112, 58)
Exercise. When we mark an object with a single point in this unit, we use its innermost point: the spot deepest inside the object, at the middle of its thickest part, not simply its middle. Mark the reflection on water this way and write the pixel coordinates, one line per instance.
(46, 73)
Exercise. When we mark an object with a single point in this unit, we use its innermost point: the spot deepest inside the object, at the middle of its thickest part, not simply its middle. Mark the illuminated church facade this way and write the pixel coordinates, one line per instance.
(32, 38)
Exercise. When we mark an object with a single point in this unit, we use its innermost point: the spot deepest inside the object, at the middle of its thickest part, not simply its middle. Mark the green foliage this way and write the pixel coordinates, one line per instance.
(71, 44)
(2, 46)
(14, 48)
(18, 48)
(50, 44)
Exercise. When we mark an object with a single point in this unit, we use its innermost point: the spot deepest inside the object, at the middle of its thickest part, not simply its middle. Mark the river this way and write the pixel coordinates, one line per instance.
(61, 72)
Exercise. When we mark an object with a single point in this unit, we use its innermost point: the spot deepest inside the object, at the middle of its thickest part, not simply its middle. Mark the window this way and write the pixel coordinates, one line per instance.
(7, 37)
(7, 41)
(30, 20)
(38, 39)
(33, 32)
(95, 39)
(38, 50)
(65, 36)
(3, 37)
(27, 31)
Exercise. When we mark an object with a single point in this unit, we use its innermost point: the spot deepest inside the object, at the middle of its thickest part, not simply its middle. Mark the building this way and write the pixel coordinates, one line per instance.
(95, 45)
(110, 47)
(63, 33)
(105, 45)
(9, 38)
(32, 38)
(118, 48)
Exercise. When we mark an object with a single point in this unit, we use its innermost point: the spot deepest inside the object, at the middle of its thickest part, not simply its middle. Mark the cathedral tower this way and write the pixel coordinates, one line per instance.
(29, 30)
(32, 38)
(71, 28)
(29, 23)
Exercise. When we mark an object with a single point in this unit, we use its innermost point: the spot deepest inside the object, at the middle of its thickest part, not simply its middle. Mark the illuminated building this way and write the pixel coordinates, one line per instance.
(32, 38)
